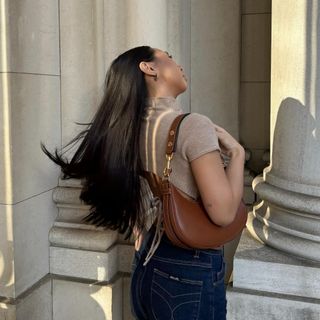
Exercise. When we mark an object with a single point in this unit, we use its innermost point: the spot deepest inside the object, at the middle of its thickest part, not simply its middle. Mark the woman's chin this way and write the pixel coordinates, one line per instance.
(185, 87)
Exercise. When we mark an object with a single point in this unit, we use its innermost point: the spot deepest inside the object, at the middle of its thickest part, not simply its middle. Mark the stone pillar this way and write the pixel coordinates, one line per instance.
(29, 113)
(84, 260)
(279, 280)
(215, 61)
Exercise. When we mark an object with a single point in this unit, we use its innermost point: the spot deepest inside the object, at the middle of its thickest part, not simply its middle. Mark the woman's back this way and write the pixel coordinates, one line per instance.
(196, 137)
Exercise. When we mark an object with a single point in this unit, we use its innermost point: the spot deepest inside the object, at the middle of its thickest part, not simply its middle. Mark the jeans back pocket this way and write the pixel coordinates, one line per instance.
(174, 297)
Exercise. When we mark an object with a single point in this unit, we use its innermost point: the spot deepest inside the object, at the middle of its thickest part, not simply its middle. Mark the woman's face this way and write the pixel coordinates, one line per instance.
(169, 73)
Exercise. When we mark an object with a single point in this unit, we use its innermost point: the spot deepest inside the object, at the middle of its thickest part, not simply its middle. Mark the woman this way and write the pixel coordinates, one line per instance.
(135, 114)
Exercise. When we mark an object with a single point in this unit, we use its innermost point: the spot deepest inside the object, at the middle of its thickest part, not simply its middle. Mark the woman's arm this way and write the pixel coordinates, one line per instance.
(221, 189)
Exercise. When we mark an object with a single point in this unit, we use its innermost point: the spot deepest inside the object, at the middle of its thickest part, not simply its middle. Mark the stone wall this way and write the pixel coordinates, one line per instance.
(29, 112)
(54, 56)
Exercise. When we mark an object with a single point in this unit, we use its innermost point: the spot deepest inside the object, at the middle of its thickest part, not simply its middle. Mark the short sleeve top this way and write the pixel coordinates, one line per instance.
(197, 136)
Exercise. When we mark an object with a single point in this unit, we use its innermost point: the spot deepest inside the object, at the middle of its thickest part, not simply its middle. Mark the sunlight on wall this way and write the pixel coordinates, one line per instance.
(5, 108)
(6, 268)
(265, 230)
(3, 306)
(1, 264)
(311, 48)
(7, 262)
(103, 297)
(266, 217)
(251, 228)
(101, 273)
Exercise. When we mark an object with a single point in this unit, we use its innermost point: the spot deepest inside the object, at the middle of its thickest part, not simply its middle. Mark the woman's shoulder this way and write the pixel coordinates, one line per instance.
(197, 121)
(197, 136)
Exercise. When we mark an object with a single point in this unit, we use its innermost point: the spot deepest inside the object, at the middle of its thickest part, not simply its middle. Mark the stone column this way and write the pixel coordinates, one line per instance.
(29, 97)
(215, 61)
(83, 259)
(279, 280)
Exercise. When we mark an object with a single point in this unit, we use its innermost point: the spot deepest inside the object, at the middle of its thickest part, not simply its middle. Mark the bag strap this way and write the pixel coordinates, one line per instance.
(172, 142)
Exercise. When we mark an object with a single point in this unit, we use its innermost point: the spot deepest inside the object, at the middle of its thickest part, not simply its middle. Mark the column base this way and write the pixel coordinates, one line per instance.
(35, 303)
(82, 301)
(270, 284)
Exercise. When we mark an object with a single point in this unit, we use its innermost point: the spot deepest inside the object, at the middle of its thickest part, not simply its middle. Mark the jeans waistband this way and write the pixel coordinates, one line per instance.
(149, 236)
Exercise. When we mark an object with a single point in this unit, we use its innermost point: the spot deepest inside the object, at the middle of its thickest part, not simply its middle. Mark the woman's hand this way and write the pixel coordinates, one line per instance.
(228, 144)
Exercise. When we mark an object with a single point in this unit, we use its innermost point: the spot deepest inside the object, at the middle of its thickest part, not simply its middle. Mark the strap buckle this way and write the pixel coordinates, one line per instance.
(167, 170)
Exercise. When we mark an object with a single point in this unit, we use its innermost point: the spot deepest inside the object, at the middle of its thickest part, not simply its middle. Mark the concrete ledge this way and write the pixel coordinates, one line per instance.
(252, 305)
(84, 239)
(259, 267)
(96, 265)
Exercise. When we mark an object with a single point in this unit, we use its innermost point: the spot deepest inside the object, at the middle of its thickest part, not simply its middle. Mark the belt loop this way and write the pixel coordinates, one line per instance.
(196, 255)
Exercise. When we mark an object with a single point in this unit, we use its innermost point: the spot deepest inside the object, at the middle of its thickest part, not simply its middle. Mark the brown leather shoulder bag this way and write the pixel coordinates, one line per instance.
(186, 222)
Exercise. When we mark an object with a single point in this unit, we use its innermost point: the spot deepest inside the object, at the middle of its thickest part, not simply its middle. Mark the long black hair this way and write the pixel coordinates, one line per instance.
(108, 157)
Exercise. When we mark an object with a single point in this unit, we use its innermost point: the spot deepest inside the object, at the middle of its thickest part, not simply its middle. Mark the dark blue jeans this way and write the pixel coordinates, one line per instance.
(177, 283)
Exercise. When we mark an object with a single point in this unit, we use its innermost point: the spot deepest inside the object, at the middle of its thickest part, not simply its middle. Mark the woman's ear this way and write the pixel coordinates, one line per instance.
(147, 68)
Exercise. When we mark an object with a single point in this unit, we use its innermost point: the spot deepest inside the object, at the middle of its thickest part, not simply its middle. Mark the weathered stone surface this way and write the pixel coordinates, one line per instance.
(259, 267)
(82, 301)
(127, 315)
(7, 311)
(253, 305)
(28, 99)
(37, 304)
(81, 238)
(125, 257)
(85, 264)
(215, 70)
(30, 45)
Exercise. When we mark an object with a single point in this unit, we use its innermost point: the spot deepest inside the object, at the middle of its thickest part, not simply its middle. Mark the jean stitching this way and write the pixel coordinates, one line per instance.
(218, 253)
(223, 268)
(174, 296)
(166, 275)
(218, 274)
(183, 280)
(163, 298)
(138, 294)
(180, 262)
(192, 301)
(199, 304)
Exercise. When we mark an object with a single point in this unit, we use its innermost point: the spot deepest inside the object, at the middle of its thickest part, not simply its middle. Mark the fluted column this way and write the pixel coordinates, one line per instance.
(287, 218)
(276, 265)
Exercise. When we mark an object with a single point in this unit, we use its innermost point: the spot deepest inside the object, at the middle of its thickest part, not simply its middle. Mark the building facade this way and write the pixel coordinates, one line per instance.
(252, 68)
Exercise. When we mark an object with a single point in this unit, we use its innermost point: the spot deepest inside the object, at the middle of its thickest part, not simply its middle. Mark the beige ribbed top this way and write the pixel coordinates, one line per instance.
(196, 137)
